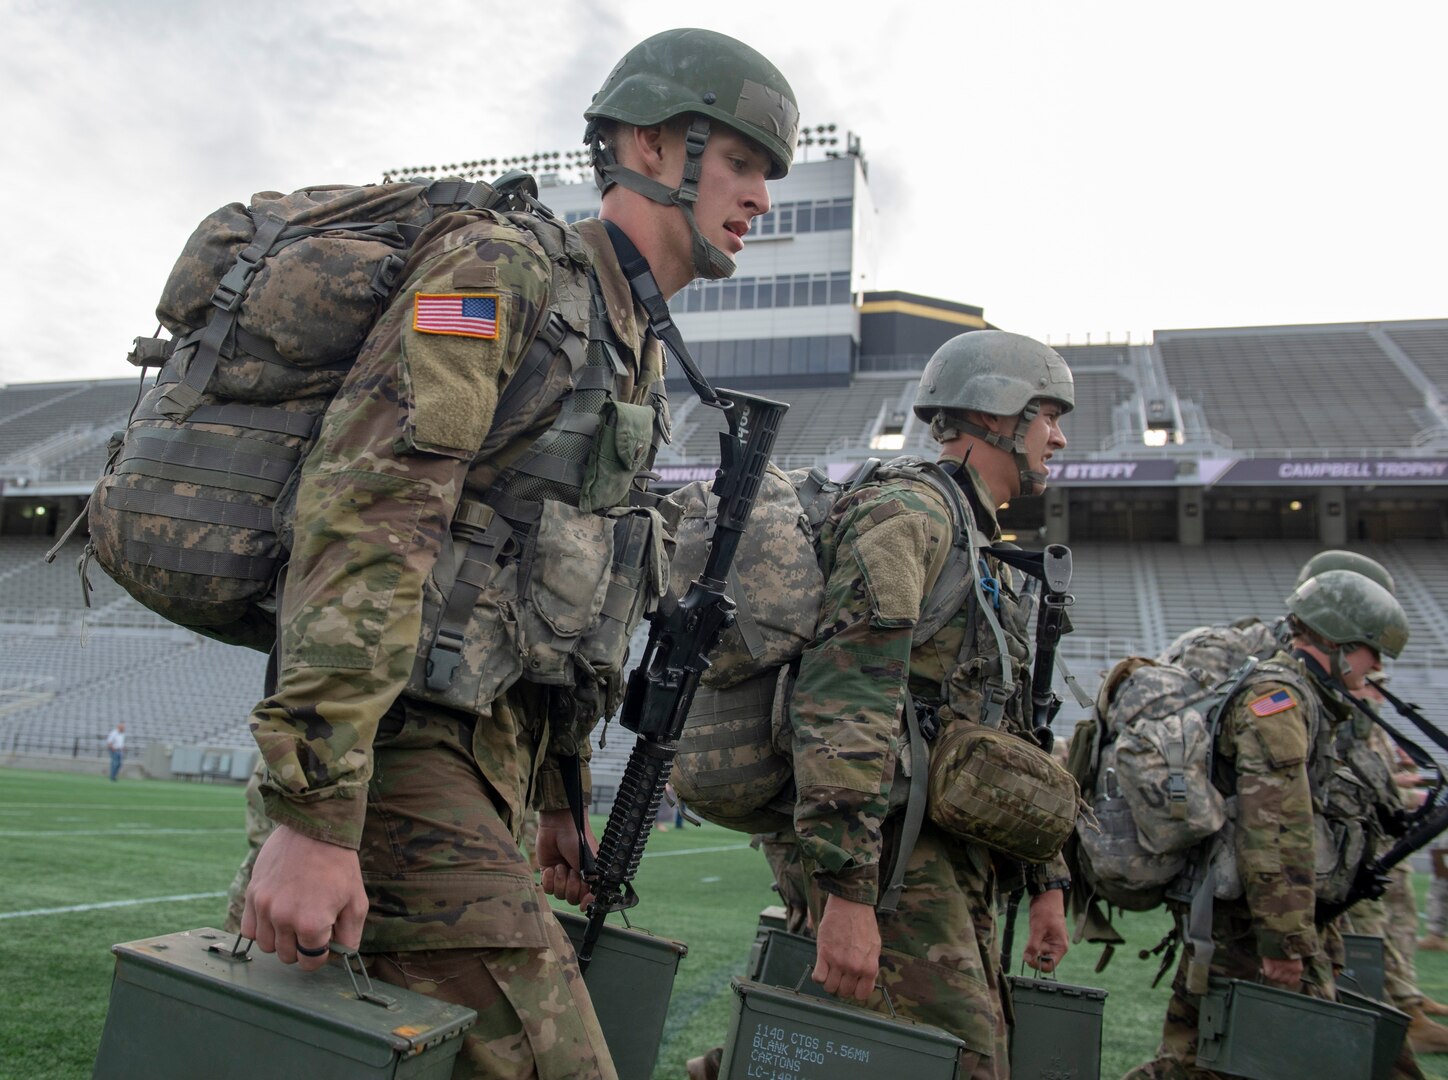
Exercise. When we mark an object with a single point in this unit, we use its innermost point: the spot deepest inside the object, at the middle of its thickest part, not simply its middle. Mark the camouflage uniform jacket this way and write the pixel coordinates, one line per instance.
(395, 455)
(882, 548)
(1277, 742)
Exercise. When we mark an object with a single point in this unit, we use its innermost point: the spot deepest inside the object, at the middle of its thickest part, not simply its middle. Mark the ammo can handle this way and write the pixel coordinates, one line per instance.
(878, 986)
(349, 955)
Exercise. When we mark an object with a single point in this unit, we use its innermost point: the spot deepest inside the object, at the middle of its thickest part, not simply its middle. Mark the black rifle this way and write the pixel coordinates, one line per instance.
(661, 689)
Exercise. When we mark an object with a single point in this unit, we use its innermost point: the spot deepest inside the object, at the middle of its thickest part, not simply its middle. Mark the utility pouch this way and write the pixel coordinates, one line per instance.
(619, 450)
(193, 1004)
(566, 570)
(1163, 767)
(637, 578)
(1341, 839)
(468, 652)
(994, 788)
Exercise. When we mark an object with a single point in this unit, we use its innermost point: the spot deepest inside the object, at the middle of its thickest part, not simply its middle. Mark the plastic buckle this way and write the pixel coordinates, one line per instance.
(233, 285)
(1176, 787)
(443, 660)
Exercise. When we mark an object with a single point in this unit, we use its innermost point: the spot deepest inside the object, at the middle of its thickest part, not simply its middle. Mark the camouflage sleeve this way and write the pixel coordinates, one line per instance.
(376, 497)
(1268, 732)
(846, 707)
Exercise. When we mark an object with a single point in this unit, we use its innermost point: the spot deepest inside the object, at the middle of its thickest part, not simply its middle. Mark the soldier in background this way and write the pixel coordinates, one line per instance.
(1278, 743)
(424, 799)
(1436, 939)
(994, 402)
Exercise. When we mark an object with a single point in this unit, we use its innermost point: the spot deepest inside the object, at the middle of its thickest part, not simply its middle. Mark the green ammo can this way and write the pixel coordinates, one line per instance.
(1261, 1032)
(1388, 1036)
(630, 979)
(777, 1034)
(1057, 1030)
(1364, 964)
(186, 1005)
(779, 958)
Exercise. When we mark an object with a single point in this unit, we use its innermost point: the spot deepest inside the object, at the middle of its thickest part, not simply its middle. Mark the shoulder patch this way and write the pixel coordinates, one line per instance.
(1275, 702)
(460, 314)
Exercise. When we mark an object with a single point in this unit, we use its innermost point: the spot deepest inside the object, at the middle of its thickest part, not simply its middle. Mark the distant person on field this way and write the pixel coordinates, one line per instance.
(116, 744)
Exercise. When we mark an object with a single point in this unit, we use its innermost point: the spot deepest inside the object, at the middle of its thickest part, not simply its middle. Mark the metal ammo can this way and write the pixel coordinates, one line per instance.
(1057, 1030)
(1388, 1036)
(777, 1034)
(1364, 964)
(190, 1004)
(630, 979)
(779, 958)
(1261, 1032)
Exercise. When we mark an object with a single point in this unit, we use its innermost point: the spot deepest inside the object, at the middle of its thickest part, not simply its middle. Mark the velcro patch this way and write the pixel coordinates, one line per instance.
(459, 314)
(1275, 702)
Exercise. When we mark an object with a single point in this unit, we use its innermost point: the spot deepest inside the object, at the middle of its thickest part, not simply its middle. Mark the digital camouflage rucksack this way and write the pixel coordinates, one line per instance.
(1144, 758)
(734, 764)
(267, 307)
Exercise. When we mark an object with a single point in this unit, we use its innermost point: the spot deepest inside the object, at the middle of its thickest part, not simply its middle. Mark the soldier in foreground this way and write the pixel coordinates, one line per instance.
(1276, 748)
(994, 402)
(399, 787)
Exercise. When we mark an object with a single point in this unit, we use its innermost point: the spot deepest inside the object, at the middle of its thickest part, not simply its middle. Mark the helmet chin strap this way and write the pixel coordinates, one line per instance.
(944, 428)
(709, 260)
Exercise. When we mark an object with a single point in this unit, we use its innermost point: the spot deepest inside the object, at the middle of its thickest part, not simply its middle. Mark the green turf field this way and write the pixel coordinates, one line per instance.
(87, 863)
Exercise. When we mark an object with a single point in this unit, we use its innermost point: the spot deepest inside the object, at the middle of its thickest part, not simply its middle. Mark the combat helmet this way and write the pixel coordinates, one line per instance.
(992, 371)
(1338, 559)
(713, 78)
(1346, 608)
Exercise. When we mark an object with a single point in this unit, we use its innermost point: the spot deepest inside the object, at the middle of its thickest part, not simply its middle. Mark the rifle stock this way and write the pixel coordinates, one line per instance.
(661, 689)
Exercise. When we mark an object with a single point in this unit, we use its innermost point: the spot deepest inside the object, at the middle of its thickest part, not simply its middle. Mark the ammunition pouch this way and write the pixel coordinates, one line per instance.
(1343, 834)
(990, 787)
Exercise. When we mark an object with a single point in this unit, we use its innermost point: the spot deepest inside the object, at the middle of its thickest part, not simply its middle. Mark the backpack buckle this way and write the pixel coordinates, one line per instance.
(1176, 787)
(443, 660)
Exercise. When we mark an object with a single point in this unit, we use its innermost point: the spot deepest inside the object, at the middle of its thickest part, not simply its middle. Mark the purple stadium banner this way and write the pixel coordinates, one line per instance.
(1342, 472)
(1112, 473)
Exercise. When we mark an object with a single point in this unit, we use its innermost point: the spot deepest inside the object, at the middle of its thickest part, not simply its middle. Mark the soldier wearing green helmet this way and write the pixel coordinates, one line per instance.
(1338, 559)
(1283, 738)
(995, 401)
(408, 733)
(990, 387)
(700, 88)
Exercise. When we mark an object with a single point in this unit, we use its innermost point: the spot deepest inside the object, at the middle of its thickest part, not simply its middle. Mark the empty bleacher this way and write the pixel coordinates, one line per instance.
(35, 414)
(1279, 388)
(1426, 344)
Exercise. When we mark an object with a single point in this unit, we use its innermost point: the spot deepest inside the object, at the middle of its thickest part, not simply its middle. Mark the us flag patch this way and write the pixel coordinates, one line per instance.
(1268, 704)
(453, 313)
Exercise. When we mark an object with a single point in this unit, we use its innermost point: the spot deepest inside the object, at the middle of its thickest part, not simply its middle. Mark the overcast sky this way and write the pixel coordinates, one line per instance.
(1072, 167)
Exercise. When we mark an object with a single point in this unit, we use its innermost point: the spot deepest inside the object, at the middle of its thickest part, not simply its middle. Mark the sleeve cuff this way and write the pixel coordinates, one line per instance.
(1275, 945)
(860, 885)
(335, 819)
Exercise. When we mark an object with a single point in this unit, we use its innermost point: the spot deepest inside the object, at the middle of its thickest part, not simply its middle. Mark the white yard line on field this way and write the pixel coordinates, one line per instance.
(213, 895)
(138, 831)
(111, 904)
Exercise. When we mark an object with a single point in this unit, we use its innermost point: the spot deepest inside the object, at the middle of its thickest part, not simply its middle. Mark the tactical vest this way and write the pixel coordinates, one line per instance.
(546, 575)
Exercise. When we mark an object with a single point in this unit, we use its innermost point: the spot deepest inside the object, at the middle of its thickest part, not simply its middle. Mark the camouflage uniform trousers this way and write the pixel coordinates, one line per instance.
(939, 953)
(454, 911)
(1437, 912)
(258, 828)
(1236, 957)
